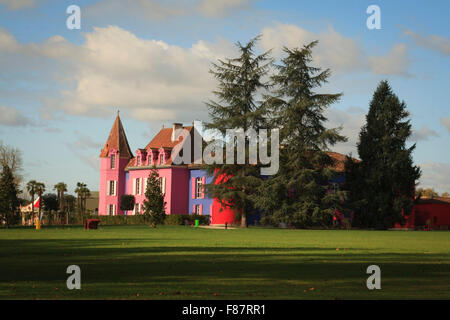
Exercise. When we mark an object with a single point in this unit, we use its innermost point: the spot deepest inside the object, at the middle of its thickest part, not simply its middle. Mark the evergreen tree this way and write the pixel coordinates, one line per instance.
(127, 202)
(382, 184)
(154, 205)
(297, 194)
(240, 81)
(9, 201)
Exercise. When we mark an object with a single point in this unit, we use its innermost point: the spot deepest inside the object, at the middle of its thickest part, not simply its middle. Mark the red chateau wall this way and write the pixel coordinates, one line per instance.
(222, 214)
(221, 217)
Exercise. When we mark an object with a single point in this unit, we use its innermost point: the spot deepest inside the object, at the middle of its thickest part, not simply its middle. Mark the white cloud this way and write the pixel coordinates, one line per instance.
(351, 120)
(396, 61)
(221, 8)
(7, 42)
(446, 123)
(431, 42)
(151, 79)
(162, 10)
(435, 175)
(146, 9)
(335, 51)
(17, 4)
(12, 117)
(423, 133)
(84, 142)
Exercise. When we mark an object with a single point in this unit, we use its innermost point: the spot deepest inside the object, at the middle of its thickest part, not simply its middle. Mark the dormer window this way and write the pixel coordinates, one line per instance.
(113, 161)
(161, 158)
(138, 161)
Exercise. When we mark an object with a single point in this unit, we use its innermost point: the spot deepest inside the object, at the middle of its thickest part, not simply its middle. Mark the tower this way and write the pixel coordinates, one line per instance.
(114, 156)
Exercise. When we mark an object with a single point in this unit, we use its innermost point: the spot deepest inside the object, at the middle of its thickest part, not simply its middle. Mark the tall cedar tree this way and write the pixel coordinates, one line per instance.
(154, 205)
(240, 81)
(297, 194)
(381, 186)
(9, 202)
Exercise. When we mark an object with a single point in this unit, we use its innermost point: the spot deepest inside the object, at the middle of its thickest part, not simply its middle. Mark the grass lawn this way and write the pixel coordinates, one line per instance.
(138, 262)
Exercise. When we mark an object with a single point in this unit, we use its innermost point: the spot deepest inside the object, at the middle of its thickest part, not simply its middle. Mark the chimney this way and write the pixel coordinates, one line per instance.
(175, 126)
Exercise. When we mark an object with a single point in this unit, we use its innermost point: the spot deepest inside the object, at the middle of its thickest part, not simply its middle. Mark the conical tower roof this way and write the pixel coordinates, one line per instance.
(117, 140)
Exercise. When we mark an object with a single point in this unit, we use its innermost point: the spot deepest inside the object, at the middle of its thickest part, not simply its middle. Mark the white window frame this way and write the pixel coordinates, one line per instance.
(112, 209)
(137, 208)
(111, 188)
(113, 161)
(162, 184)
(137, 186)
(198, 187)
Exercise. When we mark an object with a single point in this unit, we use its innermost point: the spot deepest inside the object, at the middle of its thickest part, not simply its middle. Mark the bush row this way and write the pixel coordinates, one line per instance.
(174, 219)
(180, 219)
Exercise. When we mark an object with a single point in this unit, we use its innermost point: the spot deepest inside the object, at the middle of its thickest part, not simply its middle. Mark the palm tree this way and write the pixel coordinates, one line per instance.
(79, 192)
(31, 188)
(83, 193)
(40, 189)
(86, 194)
(60, 187)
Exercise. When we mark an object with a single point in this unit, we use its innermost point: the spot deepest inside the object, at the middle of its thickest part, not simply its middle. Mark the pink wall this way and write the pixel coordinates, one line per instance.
(106, 174)
(175, 194)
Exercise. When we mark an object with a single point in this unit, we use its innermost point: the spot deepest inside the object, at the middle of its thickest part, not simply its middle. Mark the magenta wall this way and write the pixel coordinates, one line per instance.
(176, 187)
(106, 174)
(180, 190)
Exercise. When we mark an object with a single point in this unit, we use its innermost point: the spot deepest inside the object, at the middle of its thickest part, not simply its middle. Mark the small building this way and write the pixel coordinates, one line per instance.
(92, 202)
(428, 213)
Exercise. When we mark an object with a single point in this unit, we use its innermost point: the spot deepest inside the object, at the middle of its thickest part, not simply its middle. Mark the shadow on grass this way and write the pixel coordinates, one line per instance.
(120, 267)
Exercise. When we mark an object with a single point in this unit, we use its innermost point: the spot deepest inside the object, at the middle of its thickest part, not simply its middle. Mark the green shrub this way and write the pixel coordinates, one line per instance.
(179, 219)
(127, 202)
(171, 219)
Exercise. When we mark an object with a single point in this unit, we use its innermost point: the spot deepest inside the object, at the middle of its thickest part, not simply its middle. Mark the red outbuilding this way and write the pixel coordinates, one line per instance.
(429, 213)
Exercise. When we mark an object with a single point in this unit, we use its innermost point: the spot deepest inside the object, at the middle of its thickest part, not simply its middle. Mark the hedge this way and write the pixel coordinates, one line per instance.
(179, 219)
(173, 219)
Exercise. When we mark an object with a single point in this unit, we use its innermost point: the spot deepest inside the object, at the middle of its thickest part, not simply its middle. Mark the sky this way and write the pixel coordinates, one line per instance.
(60, 88)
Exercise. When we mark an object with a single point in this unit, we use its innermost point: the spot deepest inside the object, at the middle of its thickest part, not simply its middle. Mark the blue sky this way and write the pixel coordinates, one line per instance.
(60, 88)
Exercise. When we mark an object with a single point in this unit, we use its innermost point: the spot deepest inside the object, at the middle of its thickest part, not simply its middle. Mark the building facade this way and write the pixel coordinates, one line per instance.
(122, 172)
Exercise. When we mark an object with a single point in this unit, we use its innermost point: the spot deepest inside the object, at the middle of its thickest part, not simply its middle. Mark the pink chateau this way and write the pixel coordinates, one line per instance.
(123, 173)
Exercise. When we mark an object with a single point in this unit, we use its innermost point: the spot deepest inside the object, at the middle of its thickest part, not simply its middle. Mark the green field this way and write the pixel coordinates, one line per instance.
(138, 262)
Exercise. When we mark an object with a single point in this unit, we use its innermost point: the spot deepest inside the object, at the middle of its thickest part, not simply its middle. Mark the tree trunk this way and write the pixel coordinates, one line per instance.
(244, 219)
(61, 205)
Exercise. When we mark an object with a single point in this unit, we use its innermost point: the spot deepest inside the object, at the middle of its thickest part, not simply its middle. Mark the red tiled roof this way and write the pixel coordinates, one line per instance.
(164, 139)
(117, 140)
(443, 200)
(339, 160)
